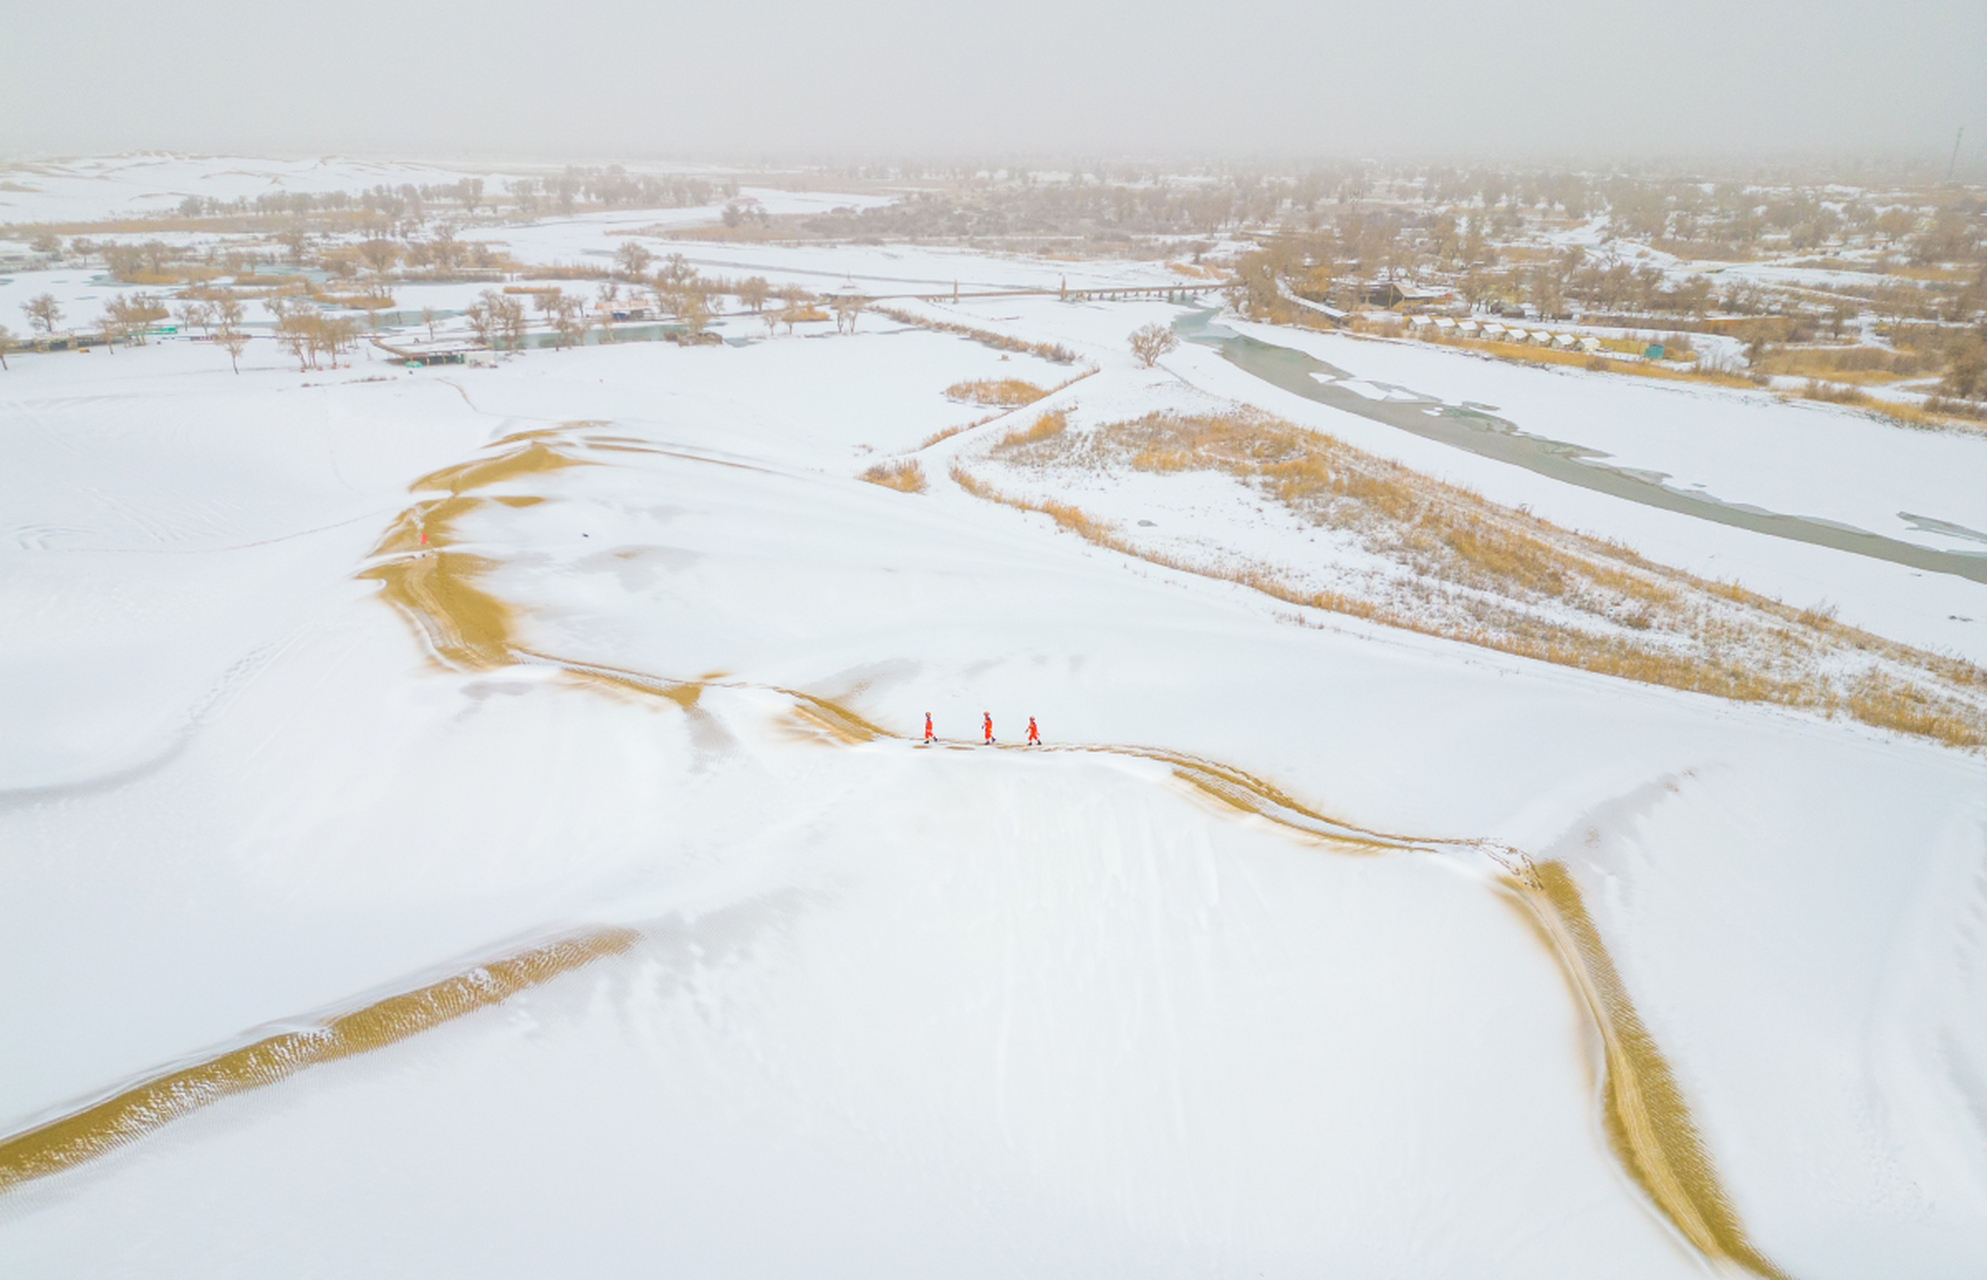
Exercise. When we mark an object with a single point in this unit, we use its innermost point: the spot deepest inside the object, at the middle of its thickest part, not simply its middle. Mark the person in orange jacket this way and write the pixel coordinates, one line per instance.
(929, 736)
(1034, 738)
(987, 719)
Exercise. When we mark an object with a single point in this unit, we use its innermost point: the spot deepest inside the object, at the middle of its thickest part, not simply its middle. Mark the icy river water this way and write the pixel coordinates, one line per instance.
(1503, 440)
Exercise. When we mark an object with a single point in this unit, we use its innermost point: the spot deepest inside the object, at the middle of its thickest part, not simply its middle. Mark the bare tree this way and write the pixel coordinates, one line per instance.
(148, 310)
(549, 302)
(847, 308)
(483, 319)
(446, 250)
(380, 254)
(225, 316)
(676, 270)
(42, 312)
(752, 293)
(498, 320)
(1152, 342)
(570, 321)
(797, 301)
(377, 300)
(428, 319)
(666, 296)
(633, 259)
(510, 313)
(234, 342)
(192, 314)
(293, 330)
(131, 317)
(483, 322)
(338, 335)
(6, 340)
(695, 310)
(1477, 287)
(609, 295)
(113, 323)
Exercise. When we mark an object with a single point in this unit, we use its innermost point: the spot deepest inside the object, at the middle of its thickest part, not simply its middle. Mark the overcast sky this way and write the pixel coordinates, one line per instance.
(800, 79)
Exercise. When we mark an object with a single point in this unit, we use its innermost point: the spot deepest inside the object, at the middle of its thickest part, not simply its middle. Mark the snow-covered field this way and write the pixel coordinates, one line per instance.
(96, 188)
(292, 729)
(92, 189)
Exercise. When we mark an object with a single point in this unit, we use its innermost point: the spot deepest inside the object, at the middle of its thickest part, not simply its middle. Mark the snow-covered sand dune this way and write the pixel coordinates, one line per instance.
(892, 1009)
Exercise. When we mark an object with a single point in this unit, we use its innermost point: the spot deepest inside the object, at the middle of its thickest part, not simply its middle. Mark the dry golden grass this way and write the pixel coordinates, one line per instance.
(1643, 1109)
(1906, 415)
(1069, 518)
(1933, 274)
(1911, 415)
(1046, 427)
(124, 1117)
(1638, 369)
(183, 274)
(1832, 393)
(1010, 393)
(905, 476)
(948, 432)
(1487, 575)
(1863, 377)
(1863, 365)
(357, 301)
(1054, 352)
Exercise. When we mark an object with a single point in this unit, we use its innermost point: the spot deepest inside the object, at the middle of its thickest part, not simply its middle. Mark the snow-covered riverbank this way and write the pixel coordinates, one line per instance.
(895, 1010)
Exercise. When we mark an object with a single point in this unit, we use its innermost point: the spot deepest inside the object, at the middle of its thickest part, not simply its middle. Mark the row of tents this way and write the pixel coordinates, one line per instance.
(1493, 331)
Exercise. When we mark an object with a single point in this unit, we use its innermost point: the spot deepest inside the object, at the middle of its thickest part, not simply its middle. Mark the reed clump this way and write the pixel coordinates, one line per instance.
(1047, 427)
(946, 433)
(1010, 393)
(1051, 351)
(905, 476)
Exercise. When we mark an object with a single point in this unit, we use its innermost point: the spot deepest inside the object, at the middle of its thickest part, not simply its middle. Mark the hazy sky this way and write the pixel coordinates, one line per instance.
(803, 79)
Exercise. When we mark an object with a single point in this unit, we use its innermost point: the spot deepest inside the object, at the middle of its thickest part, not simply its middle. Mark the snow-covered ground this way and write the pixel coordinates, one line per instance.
(92, 189)
(906, 1011)
(1796, 459)
(556, 239)
(1741, 446)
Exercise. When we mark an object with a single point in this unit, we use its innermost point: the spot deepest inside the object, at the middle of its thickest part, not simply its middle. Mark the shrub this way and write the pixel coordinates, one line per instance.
(1046, 427)
(1830, 393)
(1152, 342)
(1007, 392)
(1055, 352)
(905, 477)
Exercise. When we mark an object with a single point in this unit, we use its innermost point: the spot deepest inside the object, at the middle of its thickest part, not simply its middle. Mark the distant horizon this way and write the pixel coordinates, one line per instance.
(1787, 165)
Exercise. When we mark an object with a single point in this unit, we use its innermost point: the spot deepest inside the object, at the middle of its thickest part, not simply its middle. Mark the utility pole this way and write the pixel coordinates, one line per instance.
(1954, 162)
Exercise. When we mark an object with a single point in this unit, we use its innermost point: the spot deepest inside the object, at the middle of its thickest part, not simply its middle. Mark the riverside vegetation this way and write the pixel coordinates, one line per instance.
(1441, 560)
